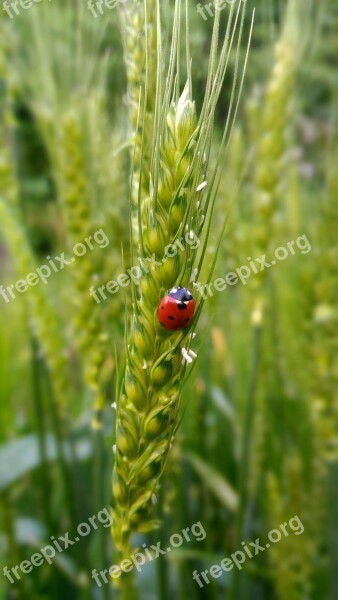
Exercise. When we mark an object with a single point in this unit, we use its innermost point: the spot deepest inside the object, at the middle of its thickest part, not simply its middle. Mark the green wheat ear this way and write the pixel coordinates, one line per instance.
(138, 21)
(148, 398)
(270, 127)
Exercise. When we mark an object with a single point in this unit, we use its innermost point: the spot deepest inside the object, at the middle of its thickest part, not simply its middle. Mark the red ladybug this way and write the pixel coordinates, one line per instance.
(176, 309)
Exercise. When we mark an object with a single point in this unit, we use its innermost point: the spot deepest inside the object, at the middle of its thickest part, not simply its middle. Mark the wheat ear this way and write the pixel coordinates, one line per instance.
(138, 26)
(148, 396)
(273, 129)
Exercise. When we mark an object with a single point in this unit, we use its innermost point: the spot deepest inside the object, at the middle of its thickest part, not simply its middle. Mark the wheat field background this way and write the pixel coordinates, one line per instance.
(146, 146)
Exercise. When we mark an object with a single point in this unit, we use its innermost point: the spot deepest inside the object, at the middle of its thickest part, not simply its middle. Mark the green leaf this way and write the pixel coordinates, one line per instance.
(223, 404)
(215, 482)
(29, 531)
(21, 456)
(185, 554)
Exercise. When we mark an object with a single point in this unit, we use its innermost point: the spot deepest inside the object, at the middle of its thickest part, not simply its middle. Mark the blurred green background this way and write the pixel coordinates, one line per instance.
(258, 440)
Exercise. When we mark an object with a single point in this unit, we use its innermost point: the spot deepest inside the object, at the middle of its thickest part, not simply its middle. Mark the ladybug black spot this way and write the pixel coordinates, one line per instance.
(181, 306)
(171, 318)
(186, 320)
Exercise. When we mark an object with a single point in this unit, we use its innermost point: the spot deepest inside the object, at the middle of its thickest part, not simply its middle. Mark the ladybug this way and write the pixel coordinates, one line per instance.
(176, 309)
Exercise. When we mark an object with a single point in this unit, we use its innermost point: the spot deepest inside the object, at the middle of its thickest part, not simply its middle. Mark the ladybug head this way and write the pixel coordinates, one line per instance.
(180, 293)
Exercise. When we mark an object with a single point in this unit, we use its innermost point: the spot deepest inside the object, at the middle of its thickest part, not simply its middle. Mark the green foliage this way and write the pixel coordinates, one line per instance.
(106, 123)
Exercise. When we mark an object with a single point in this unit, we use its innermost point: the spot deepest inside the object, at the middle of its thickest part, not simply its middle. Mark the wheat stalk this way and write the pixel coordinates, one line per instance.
(44, 321)
(288, 496)
(43, 318)
(73, 120)
(148, 396)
